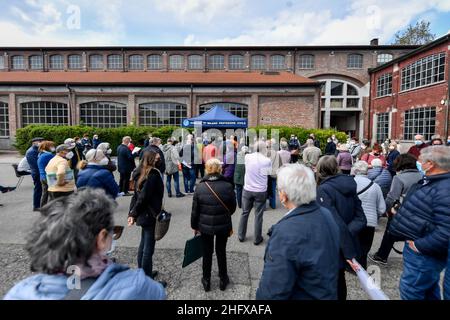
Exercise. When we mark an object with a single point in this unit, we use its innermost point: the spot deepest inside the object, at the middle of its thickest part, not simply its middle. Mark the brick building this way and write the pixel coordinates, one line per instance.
(410, 94)
(309, 86)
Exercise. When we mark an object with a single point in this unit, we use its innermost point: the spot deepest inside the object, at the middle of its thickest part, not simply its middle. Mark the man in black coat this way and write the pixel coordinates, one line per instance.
(154, 146)
(125, 164)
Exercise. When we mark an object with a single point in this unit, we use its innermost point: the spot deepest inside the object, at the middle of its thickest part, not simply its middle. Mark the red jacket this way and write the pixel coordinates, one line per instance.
(415, 150)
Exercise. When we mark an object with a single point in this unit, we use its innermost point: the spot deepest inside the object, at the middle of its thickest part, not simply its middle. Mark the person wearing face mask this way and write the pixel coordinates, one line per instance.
(330, 148)
(106, 148)
(300, 264)
(448, 141)
(125, 164)
(60, 177)
(32, 158)
(55, 253)
(95, 175)
(423, 222)
(77, 158)
(376, 153)
(437, 142)
(391, 156)
(46, 153)
(419, 145)
(95, 141)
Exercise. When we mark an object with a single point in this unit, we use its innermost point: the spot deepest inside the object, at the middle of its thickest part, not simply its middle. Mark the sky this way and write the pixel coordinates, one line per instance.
(213, 22)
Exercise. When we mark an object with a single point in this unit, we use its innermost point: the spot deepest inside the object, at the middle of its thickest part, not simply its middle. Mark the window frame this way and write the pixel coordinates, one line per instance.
(195, 65)
(383, 126)
(60, 63)
(32, 62)
(113, 114)
(70, 63)
(176, 64)
(234, 64)
(136, 65)
(216, 62)
(99, 64)
(154, 65)
(252, 62)
(13, 62)
(423, 72)
(384, 85)
(173, 112)
(44, 112)
(114, 62)
(306, 65)
(4, 124)
(352, 63)
(415, 124)
(383, 58)
(276, 65)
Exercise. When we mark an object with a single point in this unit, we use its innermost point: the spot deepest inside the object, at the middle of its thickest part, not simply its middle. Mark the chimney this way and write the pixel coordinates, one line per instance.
(374, 42)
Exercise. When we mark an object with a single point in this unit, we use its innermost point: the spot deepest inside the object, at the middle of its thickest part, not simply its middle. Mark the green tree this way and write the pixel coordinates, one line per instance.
(419, 33)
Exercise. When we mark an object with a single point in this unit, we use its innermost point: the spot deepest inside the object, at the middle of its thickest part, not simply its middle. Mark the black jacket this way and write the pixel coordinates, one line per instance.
(330, 148)
(208, 215)
(125, 159)
(338, 194)
(162, 165)
(146, 204)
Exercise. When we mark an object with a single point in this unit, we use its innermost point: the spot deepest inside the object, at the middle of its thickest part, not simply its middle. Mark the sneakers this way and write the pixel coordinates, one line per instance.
(169, 195)
(223, 283)
(206, 284)
(375, 258)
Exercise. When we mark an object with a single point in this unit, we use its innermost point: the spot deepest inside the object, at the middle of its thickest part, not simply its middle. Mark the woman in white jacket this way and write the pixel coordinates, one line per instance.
(373, 204)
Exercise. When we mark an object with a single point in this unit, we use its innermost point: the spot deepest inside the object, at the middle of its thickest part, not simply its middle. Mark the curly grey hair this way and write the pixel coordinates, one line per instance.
(65, 234)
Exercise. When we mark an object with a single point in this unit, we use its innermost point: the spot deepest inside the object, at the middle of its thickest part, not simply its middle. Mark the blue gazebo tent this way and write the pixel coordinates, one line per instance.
(216, 117)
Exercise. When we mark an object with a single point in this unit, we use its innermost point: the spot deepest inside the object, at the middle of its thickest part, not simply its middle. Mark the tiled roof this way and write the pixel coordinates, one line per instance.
(154, 78)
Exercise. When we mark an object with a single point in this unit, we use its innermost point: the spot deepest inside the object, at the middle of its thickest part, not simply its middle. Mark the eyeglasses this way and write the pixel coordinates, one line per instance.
(117, 232)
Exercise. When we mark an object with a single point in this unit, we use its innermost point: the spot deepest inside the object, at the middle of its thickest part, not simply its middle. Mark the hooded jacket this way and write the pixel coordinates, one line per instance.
(96, 176)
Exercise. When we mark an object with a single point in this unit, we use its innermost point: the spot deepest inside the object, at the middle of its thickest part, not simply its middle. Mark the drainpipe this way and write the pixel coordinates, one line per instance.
(192, 100)
(369, 111)
(447, 102)
(69, 95)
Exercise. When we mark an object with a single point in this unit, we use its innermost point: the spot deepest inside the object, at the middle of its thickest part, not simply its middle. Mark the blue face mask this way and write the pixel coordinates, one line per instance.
(418, 142)
(420, 168)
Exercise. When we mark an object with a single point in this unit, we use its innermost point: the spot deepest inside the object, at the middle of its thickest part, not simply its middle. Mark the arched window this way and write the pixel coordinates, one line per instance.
(2, 62)
(4, 120)
(355, 61)
(96, 62)
(236, 62)
(36, 62)
(154, 62)
(338, 94)
(136, 62)
(17, 63)
(115, 62)
(306, 61)
(176, 62)
(74, 62)
(384, 57)
(195, 62)
(159, 114)
(103, 114)
(258, 62)
(56, 62)
(238, 109)
(216, 62)
(44, 112)
(277, 62)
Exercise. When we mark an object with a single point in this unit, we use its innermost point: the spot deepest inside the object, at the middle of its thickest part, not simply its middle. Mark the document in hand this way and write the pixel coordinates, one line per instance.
(135, 150)
(369, 285)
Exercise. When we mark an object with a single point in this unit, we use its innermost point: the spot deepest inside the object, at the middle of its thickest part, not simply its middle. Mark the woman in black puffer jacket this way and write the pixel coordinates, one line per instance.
(211, 216)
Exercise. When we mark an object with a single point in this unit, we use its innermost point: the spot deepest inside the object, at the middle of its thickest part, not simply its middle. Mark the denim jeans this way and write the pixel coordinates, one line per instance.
(420, 277)
(272, 192)
(250, 200)
(176, 180)
(447, 277)
(146, 250)
(239, 188)
(189, 179)
(37, 191)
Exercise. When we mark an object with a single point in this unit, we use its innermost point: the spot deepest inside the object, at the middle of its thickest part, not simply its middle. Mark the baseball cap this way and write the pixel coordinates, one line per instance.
(37, 139)
(70, 143)
(62, 147)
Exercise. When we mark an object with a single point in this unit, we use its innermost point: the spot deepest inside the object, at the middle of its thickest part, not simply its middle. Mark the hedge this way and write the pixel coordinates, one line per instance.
(138, 134)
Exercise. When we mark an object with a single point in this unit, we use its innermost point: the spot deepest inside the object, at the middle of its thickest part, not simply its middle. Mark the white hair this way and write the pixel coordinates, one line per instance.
(94, 155)
(440, 155)
(310, 142)
(298, 183)
(360, 168)
(376, 163)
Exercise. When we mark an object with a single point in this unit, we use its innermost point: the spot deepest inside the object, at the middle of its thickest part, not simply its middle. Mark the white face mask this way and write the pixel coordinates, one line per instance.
(109, 151)
(104, 162)
(69, 155)
(52, 149)
(113, 247)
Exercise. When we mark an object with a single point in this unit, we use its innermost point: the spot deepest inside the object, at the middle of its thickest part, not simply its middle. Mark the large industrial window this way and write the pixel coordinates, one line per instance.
(306, 61)
(384, 85)
(36, 63)
(277, 62)
(154, 62)
(423, 72)
(176, 62)
(238, 109)
(236, 62)
(419, 121)
(56, 62)
(2, 62)
(382, 127)
(258, 62)
(162, 114)
(17, 63)
(383, 58)
(103, 114)
(338, 94)
(216, 62)
(74, 62)
(4, 120)
(195, 62)
(115, 62)
(44, 112)
(96, 62)
(355, 61)
(136, 62)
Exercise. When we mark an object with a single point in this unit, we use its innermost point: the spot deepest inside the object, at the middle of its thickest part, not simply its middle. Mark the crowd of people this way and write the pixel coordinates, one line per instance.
(334, 199)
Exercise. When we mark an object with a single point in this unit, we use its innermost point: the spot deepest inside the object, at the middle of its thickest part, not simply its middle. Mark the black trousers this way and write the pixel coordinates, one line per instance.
(199, 168)
(365, 240)
(221, 252)
(342, 286)
(124, 183)
(44, 197)
(387, 243)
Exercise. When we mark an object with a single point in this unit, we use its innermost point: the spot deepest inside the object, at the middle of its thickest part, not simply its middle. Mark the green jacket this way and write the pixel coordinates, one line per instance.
(239, 171)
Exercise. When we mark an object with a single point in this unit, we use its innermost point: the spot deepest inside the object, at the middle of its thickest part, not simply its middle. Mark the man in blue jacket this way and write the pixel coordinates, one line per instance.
(302, 256)
(125, 164)
(32, 158)
(423, 222)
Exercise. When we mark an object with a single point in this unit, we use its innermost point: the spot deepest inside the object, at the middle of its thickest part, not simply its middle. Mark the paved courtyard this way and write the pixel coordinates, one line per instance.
(245, 261)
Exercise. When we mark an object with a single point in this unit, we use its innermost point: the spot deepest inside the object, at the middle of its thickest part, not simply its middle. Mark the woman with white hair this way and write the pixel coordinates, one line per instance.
(380, 175)
(106, 148)
(73, 237)
(96, 175)
(302, 256)
(373, 205)
(344, 159)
